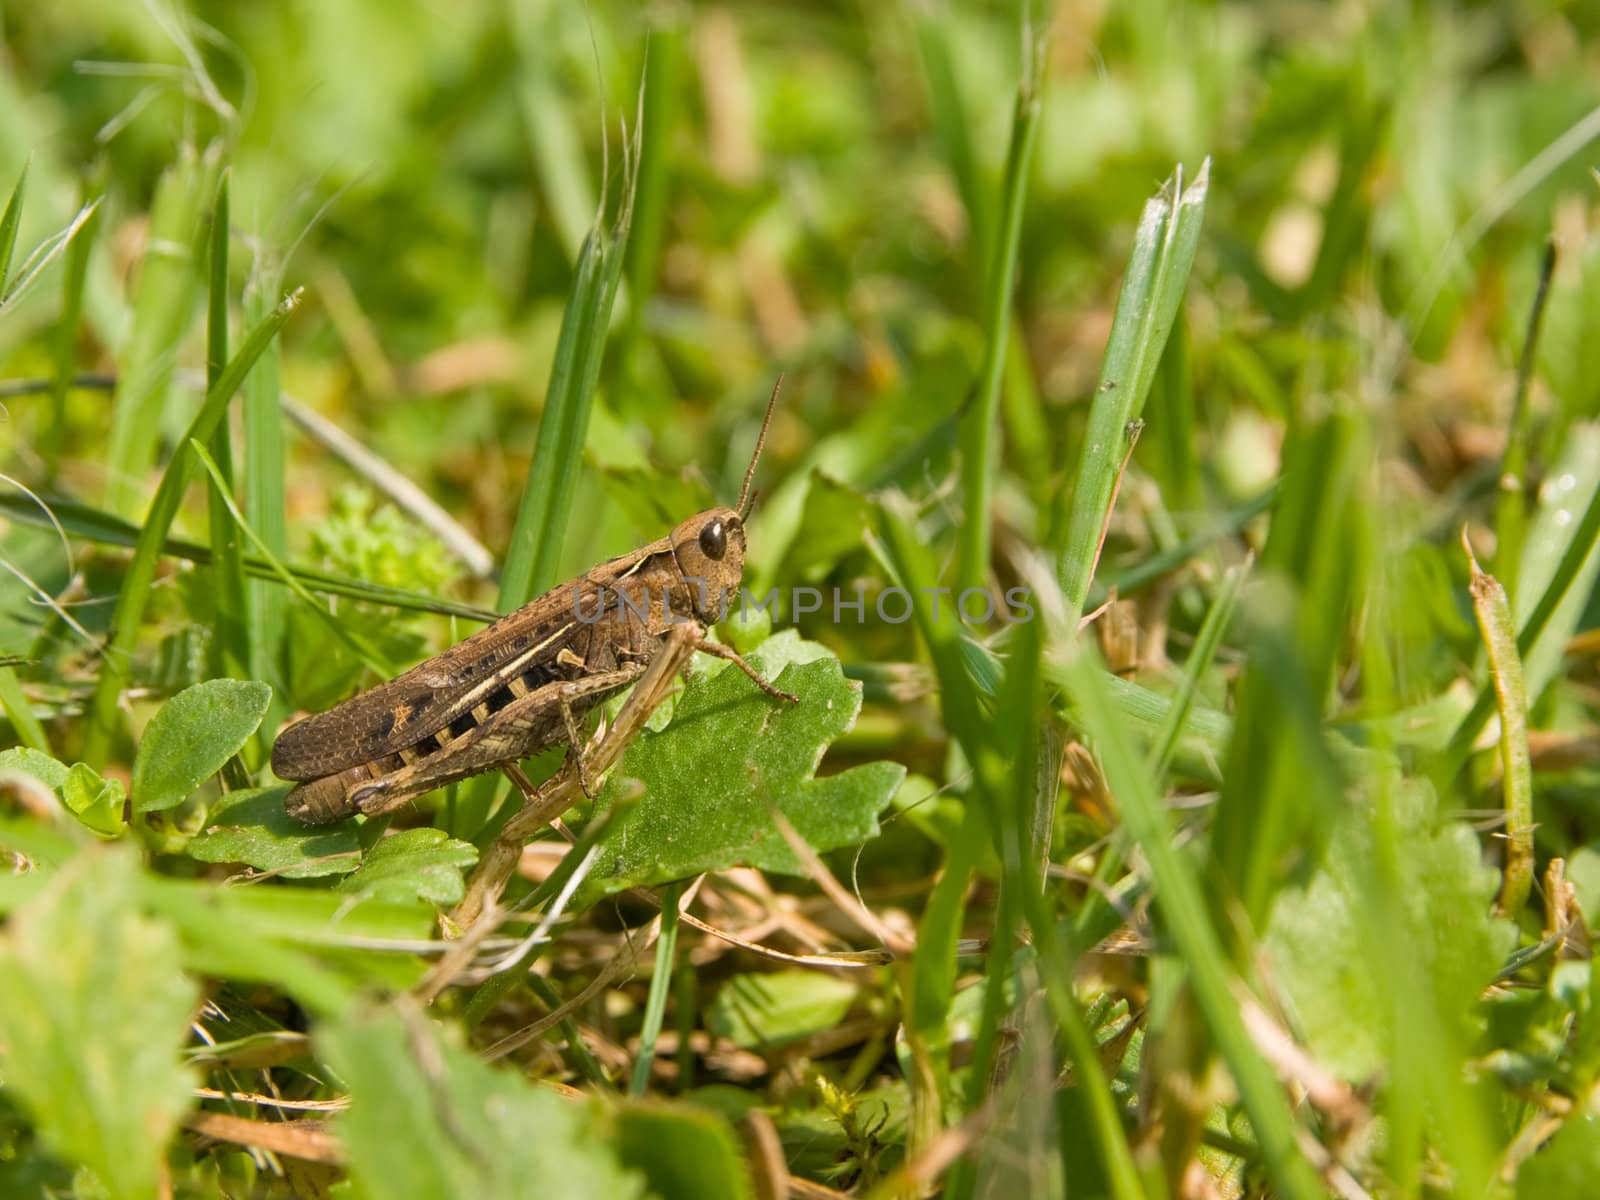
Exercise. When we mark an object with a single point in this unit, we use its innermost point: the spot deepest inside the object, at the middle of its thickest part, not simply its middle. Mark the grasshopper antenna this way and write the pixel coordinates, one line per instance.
(742, 508)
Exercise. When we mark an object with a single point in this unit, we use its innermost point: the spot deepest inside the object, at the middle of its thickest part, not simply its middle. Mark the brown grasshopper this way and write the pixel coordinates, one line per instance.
(523, 683)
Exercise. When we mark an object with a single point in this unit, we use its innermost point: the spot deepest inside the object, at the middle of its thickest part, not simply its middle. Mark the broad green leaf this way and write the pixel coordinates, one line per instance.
(768, 1009)
(1567, 1165)
(33, 763)
(93, 1015)
(318, 946)
(251, 827)
(684, 1152)
(193, 735)
(93, 799)
(729, 753)
(418, 864)
(427, 1119)
(1317, 946)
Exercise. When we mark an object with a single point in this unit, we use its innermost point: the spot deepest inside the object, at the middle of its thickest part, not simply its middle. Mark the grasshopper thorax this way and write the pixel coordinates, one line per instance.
(709, 551)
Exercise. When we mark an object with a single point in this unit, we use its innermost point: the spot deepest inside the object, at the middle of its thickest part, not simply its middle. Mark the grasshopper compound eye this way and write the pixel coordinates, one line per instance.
(714, 540)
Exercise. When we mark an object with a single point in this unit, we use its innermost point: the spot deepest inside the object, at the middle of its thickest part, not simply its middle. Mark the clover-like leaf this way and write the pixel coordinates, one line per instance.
(35, 764)
(685, 1152)
(193, 735)
(1319, 941)
(94, 799)
(93, 1015)
(731, 756)
(430, 1119)
(251, 827)
(769, 1008)
(416, 864)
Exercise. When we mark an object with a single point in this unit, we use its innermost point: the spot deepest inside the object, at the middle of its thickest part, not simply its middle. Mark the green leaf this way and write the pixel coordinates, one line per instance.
(93, 1015)
(432, 1120)
(729, 752)
(193, 735)
(684, 1152)
(93, 799)
(35, 764)
(251, 827)
(318, 946)
(418, 864)
(1317, 943)
(768, 1009)
(1567, 1165)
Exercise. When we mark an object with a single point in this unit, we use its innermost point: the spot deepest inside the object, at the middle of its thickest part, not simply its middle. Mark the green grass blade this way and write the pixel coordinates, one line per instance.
(1316, 560)
(552, 133)
(1511, 511)
(14, 703)
(1218, 617)
(131, 599)
(950, 123)
(1493, 610)
(94, 525)
(1573, 562)
(161, 313)
(266, 607)
(373, 660)
(660, 985)
(1184, 914)
(9, 224)
(979, 424)
(64, 343)
(533, 558)
(1152, 289)
(663, 112)
(230, 647)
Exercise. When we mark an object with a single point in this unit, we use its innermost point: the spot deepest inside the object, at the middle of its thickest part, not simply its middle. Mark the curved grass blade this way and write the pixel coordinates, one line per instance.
(129, 611)
(979, 423)
(95, 525)
(1163, 251)
(230, 647)
(373, 660)
(1184, 911)
(660, 984)
(533, 558)
(9, 224)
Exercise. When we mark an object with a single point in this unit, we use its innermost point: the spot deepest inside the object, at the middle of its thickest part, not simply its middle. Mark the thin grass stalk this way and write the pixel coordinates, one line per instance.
(553, 139)
(1511, 508)
(1571, 565)
(1184, 913)
(953, 129)
(230, 649)
(1152, 289)
(663, 99)
(161, 313)
(998, 797)
(128, 613)
(93, 525)
(370, 657)
(24, 723)
(588, 1066)
(978, 426)
(64, 340)
(266, 610)
(1493, 612)
(660, 985)
(1165, 747)
(533, 558)
(10, 223)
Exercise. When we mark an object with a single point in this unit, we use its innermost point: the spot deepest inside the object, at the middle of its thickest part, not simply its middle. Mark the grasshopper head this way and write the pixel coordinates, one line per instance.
(709, 549)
